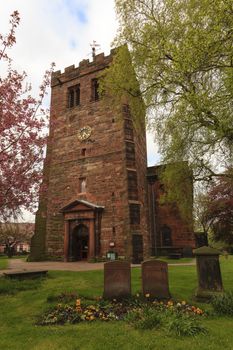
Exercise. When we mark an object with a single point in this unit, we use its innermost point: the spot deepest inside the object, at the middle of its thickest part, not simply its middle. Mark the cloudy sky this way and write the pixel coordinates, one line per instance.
(60, 31)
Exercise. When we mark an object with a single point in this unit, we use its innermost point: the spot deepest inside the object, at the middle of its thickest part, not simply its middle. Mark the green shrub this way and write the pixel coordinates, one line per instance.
(65, 297)
(184, 325)
(223, 303)
(132, 316)
(149, 322)
(146, 318)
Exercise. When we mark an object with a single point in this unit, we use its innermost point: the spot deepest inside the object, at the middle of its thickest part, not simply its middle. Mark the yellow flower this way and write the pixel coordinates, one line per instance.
(147, 295)
(137, 295)
(183, 302)
(199, 311)
(78, 302)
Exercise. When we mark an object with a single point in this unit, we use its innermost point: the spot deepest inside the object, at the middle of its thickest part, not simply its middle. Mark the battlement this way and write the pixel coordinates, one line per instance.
(86, 66)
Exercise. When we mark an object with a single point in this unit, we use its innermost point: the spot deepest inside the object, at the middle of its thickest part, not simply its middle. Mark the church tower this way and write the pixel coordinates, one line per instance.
(93, 197)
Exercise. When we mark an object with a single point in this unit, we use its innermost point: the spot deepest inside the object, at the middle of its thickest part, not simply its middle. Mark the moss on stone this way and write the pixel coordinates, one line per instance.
(206, 251)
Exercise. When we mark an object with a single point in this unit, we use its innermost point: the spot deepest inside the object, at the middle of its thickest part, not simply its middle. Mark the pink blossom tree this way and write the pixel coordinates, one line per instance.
(22, 134)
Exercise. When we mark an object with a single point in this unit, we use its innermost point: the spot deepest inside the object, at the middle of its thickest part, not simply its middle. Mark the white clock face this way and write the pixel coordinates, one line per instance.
(84, 133)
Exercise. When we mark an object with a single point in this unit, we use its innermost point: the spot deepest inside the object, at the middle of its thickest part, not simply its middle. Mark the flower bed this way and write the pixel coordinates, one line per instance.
(142, 313)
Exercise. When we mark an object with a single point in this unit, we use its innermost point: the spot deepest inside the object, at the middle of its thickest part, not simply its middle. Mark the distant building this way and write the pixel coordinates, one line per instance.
(94, 197)
(168, 229)
(19, 234)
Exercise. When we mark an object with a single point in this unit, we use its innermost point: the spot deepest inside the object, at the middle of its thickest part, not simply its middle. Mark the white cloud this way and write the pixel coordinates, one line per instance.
(60, 31)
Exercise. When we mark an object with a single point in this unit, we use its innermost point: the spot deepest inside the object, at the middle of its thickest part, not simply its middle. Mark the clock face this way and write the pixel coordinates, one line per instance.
(84, 133)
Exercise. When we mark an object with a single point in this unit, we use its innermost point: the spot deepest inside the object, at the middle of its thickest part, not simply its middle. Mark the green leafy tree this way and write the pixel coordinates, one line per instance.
(182, 67)
(12, 233)
(202, 220)
(220, 210)
(214, 210)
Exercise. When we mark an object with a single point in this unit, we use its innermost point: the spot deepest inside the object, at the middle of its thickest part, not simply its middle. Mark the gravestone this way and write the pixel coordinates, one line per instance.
(155, 279)
(117, 280)
(209, 273)
(187, 252)
(26, 274)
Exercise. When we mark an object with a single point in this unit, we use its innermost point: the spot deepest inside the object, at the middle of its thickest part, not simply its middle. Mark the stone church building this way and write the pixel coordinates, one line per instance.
(98, 196)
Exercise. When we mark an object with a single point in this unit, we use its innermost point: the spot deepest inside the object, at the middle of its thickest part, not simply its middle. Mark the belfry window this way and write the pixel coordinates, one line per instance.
(77, 95)
(95, 90)
(74, 96)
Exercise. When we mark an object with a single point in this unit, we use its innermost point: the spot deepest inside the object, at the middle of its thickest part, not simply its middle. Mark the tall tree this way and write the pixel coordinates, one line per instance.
(202, 219)
(12, 234)
(22, 131)
(182, 55)
(220, 210)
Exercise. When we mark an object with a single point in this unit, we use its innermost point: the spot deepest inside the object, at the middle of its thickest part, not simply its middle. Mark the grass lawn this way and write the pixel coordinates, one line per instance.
(176, 261)
(3, 262)
(19, 311)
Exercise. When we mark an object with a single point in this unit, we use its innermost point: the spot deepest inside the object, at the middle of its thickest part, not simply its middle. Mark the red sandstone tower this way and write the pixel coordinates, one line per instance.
(94, 190)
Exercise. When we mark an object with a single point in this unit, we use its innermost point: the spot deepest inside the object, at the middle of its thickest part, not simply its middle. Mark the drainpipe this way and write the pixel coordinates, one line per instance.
(154, 222)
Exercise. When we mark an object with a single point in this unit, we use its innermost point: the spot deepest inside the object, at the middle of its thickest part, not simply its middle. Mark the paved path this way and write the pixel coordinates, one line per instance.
(19, 264)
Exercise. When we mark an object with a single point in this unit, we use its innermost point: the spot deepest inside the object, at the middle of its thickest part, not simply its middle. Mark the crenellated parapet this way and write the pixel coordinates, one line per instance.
(85, 66)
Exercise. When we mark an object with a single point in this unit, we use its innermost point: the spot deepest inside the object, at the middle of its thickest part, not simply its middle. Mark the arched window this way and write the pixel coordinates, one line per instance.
(166, 234)
(74, 96)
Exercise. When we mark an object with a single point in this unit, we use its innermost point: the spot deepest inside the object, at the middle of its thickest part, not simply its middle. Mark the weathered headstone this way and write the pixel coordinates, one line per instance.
(117, 280)
(208, 270)
(187, 252)
(155, 279)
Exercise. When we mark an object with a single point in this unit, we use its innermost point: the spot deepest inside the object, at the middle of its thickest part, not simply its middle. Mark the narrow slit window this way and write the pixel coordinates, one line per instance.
(71, 98)
(134, 212)
(132, 185)
(83, 185)
(77, 93)
(95, 89)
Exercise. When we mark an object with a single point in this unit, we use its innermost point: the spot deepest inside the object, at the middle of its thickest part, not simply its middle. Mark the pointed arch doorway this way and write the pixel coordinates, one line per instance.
(79, 243)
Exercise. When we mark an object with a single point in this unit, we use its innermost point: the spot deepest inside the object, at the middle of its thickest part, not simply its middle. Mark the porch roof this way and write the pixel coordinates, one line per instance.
(74, 203)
